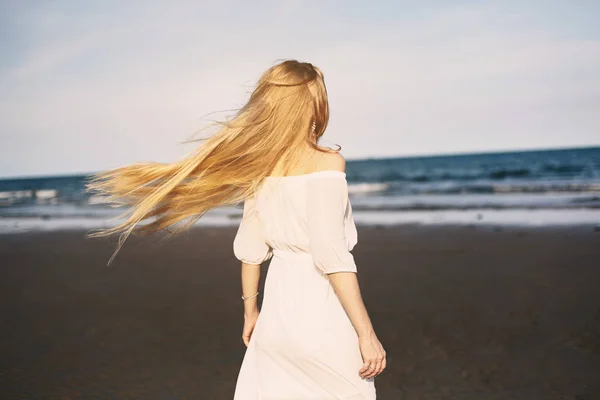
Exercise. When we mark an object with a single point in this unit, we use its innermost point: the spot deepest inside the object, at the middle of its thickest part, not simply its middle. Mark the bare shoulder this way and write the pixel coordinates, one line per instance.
(332, 161)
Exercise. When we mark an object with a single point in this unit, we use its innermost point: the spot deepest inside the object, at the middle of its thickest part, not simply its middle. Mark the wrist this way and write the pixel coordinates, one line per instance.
(365, 331)
(250, 311)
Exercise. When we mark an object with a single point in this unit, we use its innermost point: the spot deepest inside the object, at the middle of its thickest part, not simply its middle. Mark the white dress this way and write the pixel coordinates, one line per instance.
(303, 345)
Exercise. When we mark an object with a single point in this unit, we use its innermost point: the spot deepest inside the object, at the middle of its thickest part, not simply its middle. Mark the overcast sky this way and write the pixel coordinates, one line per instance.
(90, 85)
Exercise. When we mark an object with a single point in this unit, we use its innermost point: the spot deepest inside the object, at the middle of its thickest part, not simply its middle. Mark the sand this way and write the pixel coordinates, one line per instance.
(464, 313)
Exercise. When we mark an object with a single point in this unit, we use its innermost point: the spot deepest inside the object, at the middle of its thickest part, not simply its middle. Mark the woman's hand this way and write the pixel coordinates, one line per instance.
(373, 356)
(249, 323)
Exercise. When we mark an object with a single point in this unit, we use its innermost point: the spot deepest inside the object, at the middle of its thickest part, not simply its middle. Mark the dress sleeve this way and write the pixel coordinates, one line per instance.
(327, 204)
(249, 245)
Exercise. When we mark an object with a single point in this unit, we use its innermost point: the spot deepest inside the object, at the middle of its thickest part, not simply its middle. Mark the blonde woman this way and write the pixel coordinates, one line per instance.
(312, 338)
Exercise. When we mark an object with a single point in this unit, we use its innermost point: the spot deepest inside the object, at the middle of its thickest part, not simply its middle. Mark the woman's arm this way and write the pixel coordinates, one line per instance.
(251, 249)
(345, 285)
(327, 202)
(250, 280)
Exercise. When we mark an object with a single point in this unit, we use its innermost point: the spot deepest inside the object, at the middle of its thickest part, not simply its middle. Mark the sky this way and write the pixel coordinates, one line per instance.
(92, 85)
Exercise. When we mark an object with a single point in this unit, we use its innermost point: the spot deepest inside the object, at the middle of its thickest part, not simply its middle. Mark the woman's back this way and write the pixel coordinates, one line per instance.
(289, 207)
(290, 213)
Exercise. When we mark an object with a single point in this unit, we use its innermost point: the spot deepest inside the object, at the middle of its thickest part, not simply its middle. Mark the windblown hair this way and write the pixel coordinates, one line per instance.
(287, 110)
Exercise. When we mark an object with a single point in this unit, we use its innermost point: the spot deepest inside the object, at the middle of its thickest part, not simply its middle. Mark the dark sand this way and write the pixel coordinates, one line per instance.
(464, 313)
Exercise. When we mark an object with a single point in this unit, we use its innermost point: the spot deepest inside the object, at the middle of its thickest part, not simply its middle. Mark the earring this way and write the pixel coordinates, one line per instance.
(313, 126)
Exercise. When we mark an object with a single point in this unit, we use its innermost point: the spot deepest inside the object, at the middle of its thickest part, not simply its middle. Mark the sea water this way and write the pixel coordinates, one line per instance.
(524, 188)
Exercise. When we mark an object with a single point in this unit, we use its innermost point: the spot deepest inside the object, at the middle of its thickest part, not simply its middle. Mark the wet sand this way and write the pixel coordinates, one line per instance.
(464, 313)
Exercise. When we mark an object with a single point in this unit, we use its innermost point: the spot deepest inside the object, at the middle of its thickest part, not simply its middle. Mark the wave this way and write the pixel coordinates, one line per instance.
(452, 192)
(477, 201)
(472, 174)
(477, 187)
(360, 203)
(367, 187)
(440, 207)
(470, 218)
(564, 169)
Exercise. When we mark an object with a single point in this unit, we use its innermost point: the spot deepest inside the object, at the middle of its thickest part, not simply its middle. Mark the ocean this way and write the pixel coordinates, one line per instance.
(531, 188)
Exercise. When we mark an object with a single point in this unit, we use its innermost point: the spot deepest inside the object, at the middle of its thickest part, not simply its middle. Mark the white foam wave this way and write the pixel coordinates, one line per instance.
(533, 218)
(367, 187)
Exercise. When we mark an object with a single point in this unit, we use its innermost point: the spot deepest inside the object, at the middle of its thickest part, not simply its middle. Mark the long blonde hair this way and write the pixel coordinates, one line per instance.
(287, 110)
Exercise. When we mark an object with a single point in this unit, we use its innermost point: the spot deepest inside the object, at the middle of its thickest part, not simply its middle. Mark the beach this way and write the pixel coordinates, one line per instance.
(464, 312)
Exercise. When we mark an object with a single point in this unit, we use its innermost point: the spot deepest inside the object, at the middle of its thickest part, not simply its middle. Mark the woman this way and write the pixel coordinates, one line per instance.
(313, 338)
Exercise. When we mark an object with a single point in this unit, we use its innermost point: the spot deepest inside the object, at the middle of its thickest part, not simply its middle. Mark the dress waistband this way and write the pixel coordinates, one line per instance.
(290, 254)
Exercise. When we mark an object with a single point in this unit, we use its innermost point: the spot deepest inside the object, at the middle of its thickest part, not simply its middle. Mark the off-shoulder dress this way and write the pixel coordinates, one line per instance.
(303, 345)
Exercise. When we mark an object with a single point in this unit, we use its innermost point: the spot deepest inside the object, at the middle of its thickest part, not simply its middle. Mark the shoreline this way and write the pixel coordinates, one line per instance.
(515, 218)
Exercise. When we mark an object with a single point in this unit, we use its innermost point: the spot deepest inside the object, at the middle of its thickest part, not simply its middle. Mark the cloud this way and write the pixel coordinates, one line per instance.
(111, 85)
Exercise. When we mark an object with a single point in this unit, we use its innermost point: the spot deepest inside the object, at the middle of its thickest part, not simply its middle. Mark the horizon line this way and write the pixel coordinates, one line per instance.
(476, 153)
